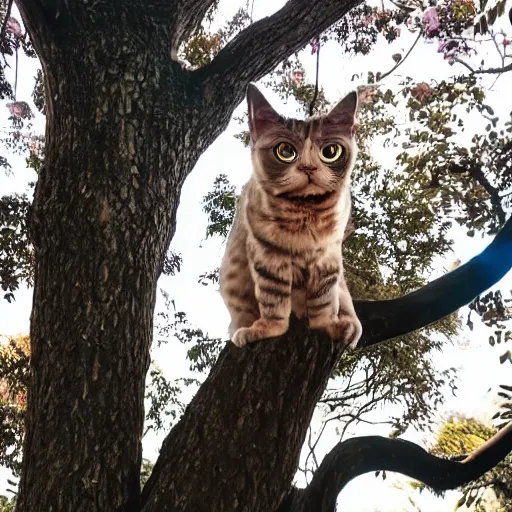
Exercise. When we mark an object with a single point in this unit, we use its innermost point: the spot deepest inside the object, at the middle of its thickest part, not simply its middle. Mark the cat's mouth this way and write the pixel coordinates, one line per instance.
(309, 199)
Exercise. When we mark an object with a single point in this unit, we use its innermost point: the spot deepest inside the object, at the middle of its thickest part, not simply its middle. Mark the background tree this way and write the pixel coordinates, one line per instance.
(126, 124)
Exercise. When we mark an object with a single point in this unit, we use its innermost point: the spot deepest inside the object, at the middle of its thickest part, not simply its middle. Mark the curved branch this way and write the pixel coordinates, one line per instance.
(488, 71)
(257, 50)
(401, 61)
(360, 455)
(503, 69)
(265, 43)
(386, 319)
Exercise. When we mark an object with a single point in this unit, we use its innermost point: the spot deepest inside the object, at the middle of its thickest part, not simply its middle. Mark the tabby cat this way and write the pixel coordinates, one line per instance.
(283, 253)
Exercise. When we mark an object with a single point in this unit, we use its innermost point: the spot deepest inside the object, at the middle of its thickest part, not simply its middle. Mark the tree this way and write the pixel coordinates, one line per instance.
(125, 125)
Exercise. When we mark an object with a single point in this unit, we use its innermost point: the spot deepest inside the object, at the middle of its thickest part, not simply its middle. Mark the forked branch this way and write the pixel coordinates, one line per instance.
(386, 319)
(360, 455)
(261, 47)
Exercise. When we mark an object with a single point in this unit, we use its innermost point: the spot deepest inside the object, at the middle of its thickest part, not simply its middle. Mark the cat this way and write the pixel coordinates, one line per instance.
(283, 253)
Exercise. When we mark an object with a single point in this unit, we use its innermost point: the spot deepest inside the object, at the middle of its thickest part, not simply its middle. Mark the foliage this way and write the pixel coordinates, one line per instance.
(496, 313)
(6, 504)
(145, 472)
(14, 375)
(163, 398)
(172, 324)
(460, 435)
(16, 255)
(219, 205)
(202, 47)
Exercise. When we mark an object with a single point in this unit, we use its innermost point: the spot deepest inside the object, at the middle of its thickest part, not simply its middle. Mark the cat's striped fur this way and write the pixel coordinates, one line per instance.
(284, 250)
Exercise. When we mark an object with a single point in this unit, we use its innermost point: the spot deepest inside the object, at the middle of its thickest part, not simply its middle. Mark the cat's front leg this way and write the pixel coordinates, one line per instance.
(347, 315)
(327, 307)
(272, 277)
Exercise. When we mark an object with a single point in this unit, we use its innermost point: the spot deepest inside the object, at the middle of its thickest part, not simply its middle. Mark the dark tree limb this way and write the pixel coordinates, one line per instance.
(488, 71)
(260, 48)
(386, 319)
(361, 455)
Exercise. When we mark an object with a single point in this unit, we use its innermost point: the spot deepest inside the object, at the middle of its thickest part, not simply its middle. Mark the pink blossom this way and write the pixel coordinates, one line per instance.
(20, 109)
(368, 20)
(421, 92)
(431, 20)
(14, 27)
(367, 95)
(297, 77)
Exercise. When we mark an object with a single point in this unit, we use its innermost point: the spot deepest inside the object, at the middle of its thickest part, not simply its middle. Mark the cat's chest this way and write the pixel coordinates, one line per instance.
(307, 229)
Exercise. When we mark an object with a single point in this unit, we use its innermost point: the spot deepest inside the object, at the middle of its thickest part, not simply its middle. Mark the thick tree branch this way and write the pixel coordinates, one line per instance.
(36, 17)
(267, 391)
(386, 319)
(260, 48)
(360, 455)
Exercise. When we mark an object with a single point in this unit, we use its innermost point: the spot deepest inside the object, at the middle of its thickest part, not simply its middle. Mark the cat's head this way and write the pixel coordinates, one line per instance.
(302, 159)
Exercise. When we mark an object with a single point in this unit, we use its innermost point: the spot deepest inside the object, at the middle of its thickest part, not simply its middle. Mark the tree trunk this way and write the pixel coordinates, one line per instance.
(238, 444)
(102, 218)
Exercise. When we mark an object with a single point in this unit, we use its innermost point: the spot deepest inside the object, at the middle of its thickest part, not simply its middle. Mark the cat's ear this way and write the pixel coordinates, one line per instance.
(261, 115)
(345, 112)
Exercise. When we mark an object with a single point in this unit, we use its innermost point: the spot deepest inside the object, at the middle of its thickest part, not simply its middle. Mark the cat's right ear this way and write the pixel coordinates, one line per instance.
(261, 115)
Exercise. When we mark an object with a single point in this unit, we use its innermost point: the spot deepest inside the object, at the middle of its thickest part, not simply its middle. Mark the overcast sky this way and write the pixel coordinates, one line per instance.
(480, 370)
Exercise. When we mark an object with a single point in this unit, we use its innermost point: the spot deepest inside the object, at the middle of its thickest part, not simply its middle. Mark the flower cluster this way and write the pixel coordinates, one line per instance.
(20, 109)
(446, 22)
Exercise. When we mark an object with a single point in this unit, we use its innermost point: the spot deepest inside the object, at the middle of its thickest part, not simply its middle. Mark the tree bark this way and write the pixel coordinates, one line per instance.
(102, 218)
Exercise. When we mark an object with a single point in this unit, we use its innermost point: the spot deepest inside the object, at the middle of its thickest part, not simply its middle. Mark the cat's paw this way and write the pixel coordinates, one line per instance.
(346, 329)
(259, 330)
(241, 336)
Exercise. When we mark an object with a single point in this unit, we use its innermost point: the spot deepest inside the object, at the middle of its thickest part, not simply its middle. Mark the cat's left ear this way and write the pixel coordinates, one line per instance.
(345, 112)
(261, 114)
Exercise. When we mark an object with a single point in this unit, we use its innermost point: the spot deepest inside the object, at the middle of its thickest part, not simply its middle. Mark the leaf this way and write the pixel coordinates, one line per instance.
(507, 356)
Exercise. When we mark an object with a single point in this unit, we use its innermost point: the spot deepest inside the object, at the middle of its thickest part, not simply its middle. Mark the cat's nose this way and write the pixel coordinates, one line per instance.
(308, 169)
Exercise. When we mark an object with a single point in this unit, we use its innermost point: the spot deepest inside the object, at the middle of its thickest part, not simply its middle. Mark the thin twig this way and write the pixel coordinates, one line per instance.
(460, 61)
(400, 62)
(252, 9)
(315, 96)
(489, 71)
(16, 72)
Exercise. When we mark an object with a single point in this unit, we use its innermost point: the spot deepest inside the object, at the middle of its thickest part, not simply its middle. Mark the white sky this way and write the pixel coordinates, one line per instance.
(479, 366)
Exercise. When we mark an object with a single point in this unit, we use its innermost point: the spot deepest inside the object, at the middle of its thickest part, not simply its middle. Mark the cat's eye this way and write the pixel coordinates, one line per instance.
(330, 153)
(285, 152)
